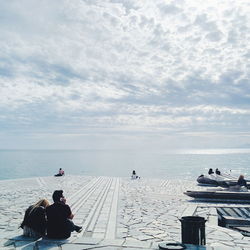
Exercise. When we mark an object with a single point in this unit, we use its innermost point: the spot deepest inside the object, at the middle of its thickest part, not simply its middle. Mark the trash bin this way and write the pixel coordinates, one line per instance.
(193, 230)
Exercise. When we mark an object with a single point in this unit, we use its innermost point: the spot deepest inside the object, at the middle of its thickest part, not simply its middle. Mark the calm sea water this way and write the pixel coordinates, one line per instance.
(186, 164)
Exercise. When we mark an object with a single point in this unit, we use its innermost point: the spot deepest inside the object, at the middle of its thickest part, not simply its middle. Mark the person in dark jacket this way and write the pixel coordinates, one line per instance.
(241, 181)
(210, 171)
(217, 171)
(59, 216)
(35, 223)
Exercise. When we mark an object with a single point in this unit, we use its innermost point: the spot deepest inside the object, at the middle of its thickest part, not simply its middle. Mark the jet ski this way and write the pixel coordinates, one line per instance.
(221, 180)
(216, 179)
(207, 180)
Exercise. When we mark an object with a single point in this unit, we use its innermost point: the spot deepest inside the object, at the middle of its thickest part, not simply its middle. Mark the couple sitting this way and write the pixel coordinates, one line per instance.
(55, 219)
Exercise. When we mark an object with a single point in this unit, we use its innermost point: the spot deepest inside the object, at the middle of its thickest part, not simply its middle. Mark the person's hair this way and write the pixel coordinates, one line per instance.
(41, 203)
(241, 176)
(57, 195)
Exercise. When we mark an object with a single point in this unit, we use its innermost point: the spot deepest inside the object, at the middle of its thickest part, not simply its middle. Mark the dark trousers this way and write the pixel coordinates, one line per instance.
(70, 225)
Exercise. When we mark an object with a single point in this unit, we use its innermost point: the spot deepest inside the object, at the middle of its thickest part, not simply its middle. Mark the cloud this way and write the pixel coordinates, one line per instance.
(125, 64)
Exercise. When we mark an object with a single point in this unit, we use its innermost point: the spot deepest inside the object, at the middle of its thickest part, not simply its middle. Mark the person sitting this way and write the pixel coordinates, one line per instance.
(210, 171)
(241, 184)
(35, 223)
(217, 171)
(59, 216)
(241, 181)
(60, 172)
(134, 176)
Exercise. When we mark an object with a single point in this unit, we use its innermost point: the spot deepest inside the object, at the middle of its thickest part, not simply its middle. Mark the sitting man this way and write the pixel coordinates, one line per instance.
(217, 171)
(59, 217)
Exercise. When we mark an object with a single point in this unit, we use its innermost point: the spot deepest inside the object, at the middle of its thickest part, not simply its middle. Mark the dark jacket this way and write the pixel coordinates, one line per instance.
(35, 219)
(242, 182)
(58, 216)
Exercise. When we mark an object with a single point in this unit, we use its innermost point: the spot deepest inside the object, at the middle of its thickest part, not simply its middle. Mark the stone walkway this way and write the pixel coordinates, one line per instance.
(115, 213)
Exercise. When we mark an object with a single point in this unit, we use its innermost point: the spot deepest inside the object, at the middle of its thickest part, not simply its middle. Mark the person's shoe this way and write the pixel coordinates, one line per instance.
(78, 229)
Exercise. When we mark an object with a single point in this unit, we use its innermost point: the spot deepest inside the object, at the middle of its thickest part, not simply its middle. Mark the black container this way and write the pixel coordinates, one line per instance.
(171, 246)
(193, 230)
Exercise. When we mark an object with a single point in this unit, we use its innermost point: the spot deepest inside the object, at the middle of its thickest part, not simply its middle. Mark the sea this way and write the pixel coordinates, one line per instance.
(181, 164)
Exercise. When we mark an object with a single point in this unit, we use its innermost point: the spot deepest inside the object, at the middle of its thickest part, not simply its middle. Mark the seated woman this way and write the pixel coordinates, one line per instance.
(35, 223)
(60, 172)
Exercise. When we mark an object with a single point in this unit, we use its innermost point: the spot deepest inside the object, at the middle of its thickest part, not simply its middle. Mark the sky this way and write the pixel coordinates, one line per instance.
(124, 74)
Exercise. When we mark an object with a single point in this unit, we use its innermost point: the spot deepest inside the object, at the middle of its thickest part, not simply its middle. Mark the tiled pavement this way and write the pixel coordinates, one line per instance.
(115, 213)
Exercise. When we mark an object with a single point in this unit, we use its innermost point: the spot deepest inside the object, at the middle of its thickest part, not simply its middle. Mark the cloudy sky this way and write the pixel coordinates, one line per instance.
(124, 74)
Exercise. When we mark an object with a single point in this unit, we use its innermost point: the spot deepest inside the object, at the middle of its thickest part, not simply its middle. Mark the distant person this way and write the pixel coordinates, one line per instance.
(210, 171)
(59, 216)
(134, 175)
(241, 181)
(217, 171)
(60, 172)
(35, 223)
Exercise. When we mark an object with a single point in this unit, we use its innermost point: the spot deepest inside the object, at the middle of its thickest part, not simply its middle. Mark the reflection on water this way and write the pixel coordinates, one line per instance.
(215, 151)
